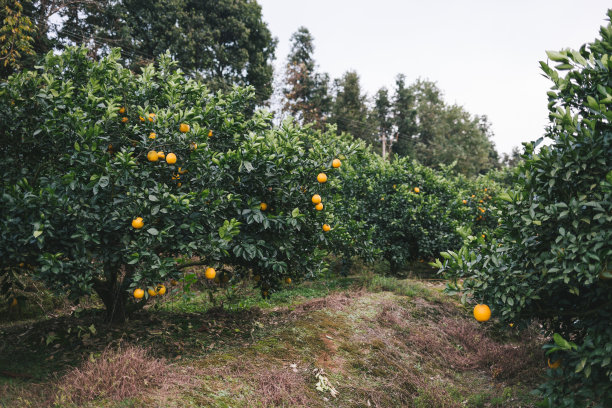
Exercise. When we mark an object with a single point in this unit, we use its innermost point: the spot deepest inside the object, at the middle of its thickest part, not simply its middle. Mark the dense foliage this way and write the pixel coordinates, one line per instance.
(222, 42)
(550, 258)
(78, 136)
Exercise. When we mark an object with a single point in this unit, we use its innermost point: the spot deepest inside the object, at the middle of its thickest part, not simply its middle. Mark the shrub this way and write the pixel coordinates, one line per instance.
(90, 208)
(551, 257)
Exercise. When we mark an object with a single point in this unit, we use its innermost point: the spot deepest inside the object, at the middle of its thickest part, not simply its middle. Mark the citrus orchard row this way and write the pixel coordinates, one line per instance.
(548, 258)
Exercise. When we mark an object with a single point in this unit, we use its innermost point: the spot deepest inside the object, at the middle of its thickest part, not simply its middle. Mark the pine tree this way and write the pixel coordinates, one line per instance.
(306, 91)
(382, 117)
(349, 111)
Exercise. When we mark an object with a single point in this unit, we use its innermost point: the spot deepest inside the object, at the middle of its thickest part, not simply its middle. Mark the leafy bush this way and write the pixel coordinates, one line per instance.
(409, 211)
(77, 138)
(550, 258)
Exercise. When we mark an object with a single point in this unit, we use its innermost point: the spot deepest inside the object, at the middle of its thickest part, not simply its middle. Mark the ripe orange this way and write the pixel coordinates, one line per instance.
(416, 189)
(193, 145)
(322, 178)
(336, 163)
(21, 264)
(210, 273)
(483, 235)
(14, 302)
(464, 201)
(182, 170)
(171, 158)
(326, 227)
(138, 293)
(141, 118)
(554, 365)
(263, 206)
(482, 313)
(184, 128)
(210, 133)
(151, 117)
(152, 156)
(319, 206)
(288, 281)
(152, 135)
(124, 119)
(152, 292)
(473, 196)
(161, 155)
(122, 110)
(138, 223)
(161, 289)
(316, 199)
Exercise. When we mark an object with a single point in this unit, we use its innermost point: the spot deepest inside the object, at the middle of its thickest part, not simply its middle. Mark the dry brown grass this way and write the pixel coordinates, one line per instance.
(274, 381)
(462, 345)
(334, 301)
(115, 375)
(281, 387)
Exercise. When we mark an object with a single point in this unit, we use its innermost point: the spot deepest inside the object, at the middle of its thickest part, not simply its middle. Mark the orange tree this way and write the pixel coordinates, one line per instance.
(111, 178)
(481, 197)
(405, 211)
(551, 257)
(343, 195)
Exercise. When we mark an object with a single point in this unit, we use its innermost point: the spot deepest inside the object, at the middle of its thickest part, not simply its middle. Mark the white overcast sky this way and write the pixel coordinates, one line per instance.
(483, 54)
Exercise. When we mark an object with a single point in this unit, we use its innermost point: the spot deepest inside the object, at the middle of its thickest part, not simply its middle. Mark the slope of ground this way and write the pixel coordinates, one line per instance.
(369, 341)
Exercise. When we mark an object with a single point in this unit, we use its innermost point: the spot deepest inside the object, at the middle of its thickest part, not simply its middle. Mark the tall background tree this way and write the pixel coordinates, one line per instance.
(306, 91)
(16, 36)
(404, 118)
(223, 42)
(381, 117)
(349, 111)
(435, 133)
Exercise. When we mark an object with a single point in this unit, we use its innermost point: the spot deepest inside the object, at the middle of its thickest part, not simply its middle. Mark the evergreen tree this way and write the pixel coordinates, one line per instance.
(349, 111)
(223, 42)
(404, 118)
(382, 118)
(306, 91)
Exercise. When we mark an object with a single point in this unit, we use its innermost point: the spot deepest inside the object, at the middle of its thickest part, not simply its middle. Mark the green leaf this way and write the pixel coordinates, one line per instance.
(295, 212)
(77, 147)
(592, 102)
(581, 364)
(37, 234)
(561, 342)
(153, 231)
(557, 56)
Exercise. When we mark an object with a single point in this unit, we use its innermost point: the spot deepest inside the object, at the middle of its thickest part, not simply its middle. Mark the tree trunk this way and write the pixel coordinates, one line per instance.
(394, 268)
(115, 300)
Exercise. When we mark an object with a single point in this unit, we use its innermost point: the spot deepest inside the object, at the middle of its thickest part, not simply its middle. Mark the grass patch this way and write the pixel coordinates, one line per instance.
(377, 341)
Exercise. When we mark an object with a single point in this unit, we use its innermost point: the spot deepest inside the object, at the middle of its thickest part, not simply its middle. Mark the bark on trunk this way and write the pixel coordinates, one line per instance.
(115, 301)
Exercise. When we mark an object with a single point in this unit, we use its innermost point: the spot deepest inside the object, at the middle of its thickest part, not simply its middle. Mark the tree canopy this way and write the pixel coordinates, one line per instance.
(222, 42)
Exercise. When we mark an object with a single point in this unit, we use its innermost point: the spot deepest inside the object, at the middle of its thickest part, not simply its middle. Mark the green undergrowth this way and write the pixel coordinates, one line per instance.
(363, 340)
